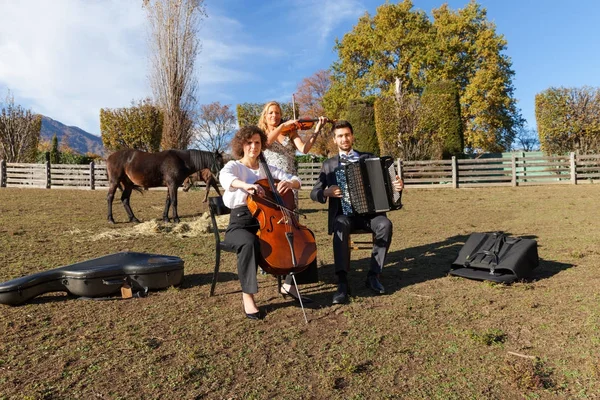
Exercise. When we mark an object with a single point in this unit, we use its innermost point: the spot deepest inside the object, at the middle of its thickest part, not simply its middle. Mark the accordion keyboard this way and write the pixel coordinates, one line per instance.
(392, 173)
(357, 189)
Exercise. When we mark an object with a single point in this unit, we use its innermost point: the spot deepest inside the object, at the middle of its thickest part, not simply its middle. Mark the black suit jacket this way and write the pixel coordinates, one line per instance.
(327, 178)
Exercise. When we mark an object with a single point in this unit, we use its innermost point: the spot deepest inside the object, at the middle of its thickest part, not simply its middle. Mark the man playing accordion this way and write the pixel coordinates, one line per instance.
(343, 225)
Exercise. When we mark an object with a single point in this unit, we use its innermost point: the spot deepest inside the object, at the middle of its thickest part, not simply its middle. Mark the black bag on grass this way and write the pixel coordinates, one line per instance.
(496, 257)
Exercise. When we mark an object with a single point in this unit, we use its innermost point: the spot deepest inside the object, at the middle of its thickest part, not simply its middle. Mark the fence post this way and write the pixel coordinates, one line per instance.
(573, 168)
(92, 176)
(2, 173)
(454, 173)
(513, 167)
(48, 177)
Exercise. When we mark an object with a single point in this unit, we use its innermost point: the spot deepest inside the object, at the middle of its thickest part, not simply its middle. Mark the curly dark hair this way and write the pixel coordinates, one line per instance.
(242, 136)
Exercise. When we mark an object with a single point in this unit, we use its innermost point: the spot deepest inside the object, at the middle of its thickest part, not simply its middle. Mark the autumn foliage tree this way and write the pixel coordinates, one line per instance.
(137, 127)
(568, 119)
(19, 132)
(215, 126)
(174, 46)
(401, 44)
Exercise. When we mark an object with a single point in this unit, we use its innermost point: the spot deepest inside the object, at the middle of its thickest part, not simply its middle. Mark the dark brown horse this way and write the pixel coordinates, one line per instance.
(204, 175)
(131, 169)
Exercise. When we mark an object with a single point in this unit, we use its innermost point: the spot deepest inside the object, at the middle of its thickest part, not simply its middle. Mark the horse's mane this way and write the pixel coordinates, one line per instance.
(198, 159)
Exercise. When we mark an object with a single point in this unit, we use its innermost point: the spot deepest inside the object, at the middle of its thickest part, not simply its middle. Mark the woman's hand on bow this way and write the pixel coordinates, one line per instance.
(255, 189)
(320, 123)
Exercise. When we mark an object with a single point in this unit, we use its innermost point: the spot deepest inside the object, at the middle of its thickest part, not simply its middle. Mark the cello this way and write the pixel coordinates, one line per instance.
(286, 246)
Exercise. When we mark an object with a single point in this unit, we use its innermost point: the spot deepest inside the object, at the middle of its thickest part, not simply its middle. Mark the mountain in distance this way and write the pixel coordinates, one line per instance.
(79, 140)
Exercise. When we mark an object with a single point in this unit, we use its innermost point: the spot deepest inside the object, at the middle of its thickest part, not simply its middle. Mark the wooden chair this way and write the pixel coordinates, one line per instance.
(361, 244)
(216, 207)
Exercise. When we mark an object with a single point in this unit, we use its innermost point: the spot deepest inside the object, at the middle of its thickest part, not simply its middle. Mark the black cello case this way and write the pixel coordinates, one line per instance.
(102, 276)
(496, 257)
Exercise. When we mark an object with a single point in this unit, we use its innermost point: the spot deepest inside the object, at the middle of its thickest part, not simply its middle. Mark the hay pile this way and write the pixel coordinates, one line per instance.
(200, 226)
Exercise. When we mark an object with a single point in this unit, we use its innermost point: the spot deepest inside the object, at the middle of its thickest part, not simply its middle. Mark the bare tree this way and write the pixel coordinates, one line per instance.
(215, 127)
(309, 97)
(174, 46)
(19, 132)
(526, 140)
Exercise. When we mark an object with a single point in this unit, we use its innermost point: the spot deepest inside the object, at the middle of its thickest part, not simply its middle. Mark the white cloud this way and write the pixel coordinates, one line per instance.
(321, 17)
(69, 58)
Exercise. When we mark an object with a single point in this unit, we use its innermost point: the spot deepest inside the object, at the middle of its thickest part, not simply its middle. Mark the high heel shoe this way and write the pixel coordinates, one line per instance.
(254, 316)
(284, 292)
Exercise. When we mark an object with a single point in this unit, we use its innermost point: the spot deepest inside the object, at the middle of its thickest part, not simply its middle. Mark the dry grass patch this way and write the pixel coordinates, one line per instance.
(431, 337)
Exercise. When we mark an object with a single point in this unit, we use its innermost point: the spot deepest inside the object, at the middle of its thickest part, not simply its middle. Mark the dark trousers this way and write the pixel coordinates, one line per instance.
(344, 225)
(241, 233)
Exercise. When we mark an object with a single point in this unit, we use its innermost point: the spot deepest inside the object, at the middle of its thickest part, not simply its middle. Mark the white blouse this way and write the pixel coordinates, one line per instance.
(234, 169)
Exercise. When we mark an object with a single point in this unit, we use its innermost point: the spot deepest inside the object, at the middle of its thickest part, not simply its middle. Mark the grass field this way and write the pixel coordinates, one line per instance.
(431, 337)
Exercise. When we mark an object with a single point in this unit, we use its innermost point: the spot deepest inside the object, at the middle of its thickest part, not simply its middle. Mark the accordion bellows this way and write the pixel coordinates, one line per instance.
(367, 186)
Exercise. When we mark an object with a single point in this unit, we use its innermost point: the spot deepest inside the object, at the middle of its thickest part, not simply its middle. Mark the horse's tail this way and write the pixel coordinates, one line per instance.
(134, 187)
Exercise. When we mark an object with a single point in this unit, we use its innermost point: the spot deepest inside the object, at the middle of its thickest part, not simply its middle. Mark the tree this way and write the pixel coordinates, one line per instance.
(403, 44)
(440, 119)
(19, 132)
(215, 127)
(137, 127)
(54, 152)
(568, 119)
(526, 140)
(361, 115)
(309, 97)
(174, 46)
(249, 113)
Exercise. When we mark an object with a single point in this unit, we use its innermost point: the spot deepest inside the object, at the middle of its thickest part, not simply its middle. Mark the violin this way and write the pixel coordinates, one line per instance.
(286, 246)
(303, 124)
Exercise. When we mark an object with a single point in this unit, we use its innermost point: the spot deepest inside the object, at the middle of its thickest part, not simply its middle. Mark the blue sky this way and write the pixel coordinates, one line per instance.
(68, 58)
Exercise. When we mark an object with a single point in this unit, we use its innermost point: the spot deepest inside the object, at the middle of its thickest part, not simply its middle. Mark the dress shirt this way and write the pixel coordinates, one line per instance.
(234, 169)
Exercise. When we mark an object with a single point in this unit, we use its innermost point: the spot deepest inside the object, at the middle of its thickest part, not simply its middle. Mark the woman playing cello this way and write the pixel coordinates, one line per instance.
(238, 180)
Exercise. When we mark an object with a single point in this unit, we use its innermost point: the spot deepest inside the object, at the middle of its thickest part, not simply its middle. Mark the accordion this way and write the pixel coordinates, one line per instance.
(367, 186)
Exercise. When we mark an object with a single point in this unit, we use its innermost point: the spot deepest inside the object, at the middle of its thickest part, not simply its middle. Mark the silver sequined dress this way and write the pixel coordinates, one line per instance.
(283, 156)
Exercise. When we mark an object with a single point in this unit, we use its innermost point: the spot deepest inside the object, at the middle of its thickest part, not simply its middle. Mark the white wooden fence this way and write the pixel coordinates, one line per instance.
(454, 173)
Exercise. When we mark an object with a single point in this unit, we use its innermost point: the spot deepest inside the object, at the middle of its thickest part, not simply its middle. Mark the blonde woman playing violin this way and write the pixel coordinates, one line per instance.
(282, 138)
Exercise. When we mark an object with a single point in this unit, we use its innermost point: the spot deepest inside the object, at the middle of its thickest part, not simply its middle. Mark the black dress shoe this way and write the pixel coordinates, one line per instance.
(374, 284)
(341, 296)
(254, 316)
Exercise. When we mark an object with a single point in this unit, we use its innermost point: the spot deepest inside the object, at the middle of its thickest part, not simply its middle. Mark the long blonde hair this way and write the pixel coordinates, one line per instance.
(262, 120)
